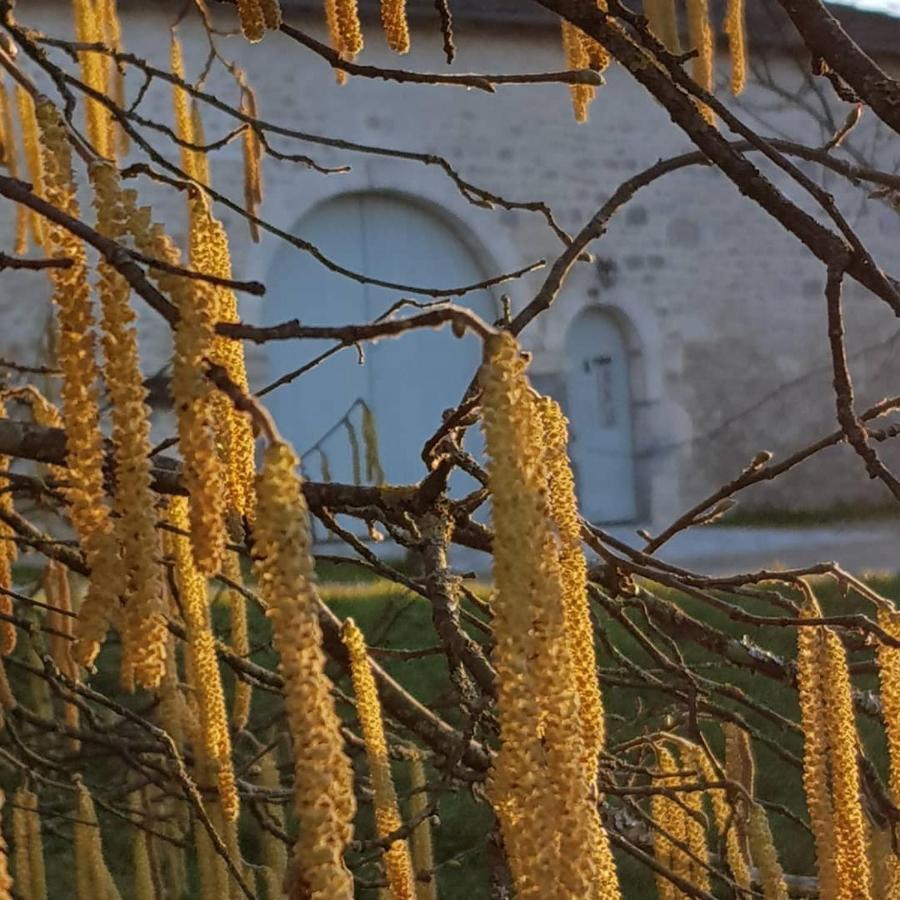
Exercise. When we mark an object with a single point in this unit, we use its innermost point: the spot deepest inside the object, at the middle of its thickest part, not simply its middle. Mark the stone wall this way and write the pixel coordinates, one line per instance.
(723, 310)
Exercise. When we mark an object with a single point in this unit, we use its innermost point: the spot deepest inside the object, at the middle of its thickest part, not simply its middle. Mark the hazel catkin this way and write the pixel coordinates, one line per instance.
(205, 676)
(84, 490)
(144, 632)
(397, 861)
(323, 780)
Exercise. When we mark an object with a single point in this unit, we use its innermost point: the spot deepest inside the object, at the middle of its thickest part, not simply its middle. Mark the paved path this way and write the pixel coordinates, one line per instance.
(858, 547)
(717, 550)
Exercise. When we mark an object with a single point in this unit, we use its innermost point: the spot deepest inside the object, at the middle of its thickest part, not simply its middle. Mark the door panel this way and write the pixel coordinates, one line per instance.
(599, 409)
(407, 381)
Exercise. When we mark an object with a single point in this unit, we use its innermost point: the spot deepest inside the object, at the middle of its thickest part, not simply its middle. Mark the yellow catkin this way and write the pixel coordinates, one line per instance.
(741, 769)
(573, 571)
(84, 491)
(201, 157)
(6, 882)
(396, 28)
(93, 879)
(59, 639)
(577, 58)
(194, 338)
(851, 861)
(193, 162)
(28, 830)
(33, 162)
(702, 40)
(765, 857)
(253, 23)
(882, 862)
(8, 554)
(397, 861)
(889, 679)
(541, 789)
(240, 639)
(669, 818)
(737, 44)
(349, 28)
(272, 849)
(234, 430)
(11, 161)
(271, 12)
(323, 780)
(171, 701)
(374, 471)
(663, 22)
(335, 36)
(815, 749)
(206, 678)
(252, 148)
(116, 74)
(21, 848)
(420, 839)
(89, 29)
(145, 629)
(140, 855)
(697, 864)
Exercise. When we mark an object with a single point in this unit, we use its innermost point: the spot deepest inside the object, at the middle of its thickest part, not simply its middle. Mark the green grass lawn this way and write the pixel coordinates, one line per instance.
(394, 619)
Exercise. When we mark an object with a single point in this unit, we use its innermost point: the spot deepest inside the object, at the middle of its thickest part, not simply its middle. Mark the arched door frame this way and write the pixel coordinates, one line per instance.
(656, 479)
(423, 186)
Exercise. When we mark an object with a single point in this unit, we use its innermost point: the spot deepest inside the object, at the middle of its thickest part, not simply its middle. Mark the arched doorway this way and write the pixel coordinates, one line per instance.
(406, 382)
(598, 404)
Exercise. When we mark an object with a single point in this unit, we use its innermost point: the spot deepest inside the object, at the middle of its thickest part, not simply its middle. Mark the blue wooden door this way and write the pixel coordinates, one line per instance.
(408, 381)
(598, 404)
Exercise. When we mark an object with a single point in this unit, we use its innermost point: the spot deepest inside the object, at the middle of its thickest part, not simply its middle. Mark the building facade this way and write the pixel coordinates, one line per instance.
(695, 337)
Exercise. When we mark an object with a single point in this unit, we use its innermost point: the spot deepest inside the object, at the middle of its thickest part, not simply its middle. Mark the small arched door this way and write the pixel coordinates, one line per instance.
(407, 382)
(598, 404)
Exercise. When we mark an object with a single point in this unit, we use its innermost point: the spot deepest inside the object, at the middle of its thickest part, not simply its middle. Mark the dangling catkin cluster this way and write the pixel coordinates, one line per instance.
(140, 854)
(89, 29)
(420, 839)
(252, 148)
(193, 162)
(144, 632)
(6, 882)
(540, 785)
(702, 39)
(116, 74)
(889, 679)
(240, 639)
(765, 857)
(235, 433)
(663, 22)
(33, 162)
(396, 28)
(273, 852)
(59, 598)
(724, 816)
(345, 31)
(257, 16)
(577, 58)
(573, 572)
(93, 880)
(830, 770)
(201, 646)
(323, 779)
(80, 412)
(8, 553)
(397, 861)
(670, 820)
(28, 846)
(737, 44)
(11, 161)
(196, 304)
